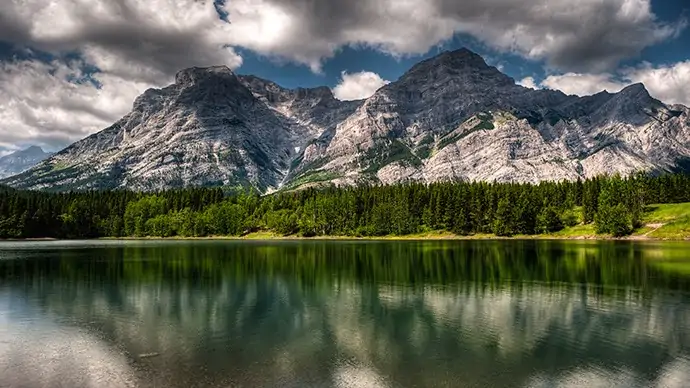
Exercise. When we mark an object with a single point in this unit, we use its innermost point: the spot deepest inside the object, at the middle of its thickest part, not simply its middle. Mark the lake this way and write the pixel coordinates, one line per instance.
(344, 314)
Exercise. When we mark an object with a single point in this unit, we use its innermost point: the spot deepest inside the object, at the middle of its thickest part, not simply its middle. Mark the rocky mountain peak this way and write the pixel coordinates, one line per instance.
(450, 117)
(462, 60)
(211, 87)
(323, 92)
(462, 65)
(462, 57)
(21, 160)
(193, 75)
(275, 93)
(635, 91)
(33, 150)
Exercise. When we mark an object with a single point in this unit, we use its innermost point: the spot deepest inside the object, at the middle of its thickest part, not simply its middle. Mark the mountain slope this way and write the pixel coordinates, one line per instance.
(20, 161)
(455, 117)
(451, 117)
(206, 129)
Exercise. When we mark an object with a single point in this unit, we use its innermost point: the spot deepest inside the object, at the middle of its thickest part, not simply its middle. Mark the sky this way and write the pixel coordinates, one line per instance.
(69, 68)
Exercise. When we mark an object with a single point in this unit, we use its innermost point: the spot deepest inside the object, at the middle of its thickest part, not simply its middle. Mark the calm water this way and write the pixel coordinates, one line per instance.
(344, 314)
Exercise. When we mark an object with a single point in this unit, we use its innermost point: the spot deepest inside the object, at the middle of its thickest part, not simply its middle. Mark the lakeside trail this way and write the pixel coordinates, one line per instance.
(648, 230)
(654, 228)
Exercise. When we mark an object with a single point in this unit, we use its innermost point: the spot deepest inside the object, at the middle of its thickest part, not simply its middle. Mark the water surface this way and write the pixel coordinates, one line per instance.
(344, 314)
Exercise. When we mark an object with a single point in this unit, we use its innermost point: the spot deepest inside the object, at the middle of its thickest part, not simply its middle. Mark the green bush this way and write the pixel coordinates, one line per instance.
(615, 220)
(569, 218)
(548, 220)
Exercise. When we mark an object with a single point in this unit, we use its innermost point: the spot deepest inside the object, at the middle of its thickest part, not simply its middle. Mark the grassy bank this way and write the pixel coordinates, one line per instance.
(661, 222)
(668, 221)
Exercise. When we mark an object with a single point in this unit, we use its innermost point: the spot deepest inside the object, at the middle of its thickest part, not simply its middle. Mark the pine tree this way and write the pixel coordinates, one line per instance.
(612, 217)
(548, 220)
(504, 224)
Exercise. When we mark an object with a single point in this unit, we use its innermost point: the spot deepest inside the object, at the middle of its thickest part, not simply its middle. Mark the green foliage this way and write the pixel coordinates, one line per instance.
(569, 218)
(485, 123)
(282, 221)
(139, 212)
(312, 177)
(381, 156)
(548, 220)
(614, 220)
(614, 203)
(503, 220)
(613, 217)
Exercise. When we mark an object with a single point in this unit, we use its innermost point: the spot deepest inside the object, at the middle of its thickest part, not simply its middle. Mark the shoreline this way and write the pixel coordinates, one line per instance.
(434, 237)
(396, 238)
(428, 236)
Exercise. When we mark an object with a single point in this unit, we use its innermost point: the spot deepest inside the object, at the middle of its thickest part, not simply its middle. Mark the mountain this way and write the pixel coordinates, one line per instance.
(450, 117)
(22, 160)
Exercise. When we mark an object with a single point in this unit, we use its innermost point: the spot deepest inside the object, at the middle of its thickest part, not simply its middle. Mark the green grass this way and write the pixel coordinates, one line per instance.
(312, 177)
(576, 231)
(58, 166)
(674, 217)
(385, 154)
(485, 123)
(679, 229)
(665, 213)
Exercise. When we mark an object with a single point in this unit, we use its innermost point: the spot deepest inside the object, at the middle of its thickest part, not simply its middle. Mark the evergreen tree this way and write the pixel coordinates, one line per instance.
(548, 220)
(612, 217)
(615, 204)
(504, 224)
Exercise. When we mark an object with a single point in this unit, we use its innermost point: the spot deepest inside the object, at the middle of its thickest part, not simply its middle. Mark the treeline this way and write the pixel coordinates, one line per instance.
(614, 204)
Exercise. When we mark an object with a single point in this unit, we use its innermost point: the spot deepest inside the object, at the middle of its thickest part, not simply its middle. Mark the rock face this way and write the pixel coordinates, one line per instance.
(21, 161)
(451, 117)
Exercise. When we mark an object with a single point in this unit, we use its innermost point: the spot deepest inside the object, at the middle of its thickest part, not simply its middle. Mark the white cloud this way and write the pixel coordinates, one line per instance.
(528, 82)
(667, 83)
(582, 84)
(39, 105)
(135, 44)
(357, 86)
(671, 84)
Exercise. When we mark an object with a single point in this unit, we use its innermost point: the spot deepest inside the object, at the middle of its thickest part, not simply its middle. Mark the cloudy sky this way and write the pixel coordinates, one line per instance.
(71, 67)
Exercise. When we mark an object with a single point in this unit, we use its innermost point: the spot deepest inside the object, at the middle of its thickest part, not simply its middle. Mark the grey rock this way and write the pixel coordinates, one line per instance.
(451, 117)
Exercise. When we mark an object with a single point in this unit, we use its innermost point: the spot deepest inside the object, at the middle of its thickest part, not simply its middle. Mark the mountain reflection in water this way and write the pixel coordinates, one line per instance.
(389, 314)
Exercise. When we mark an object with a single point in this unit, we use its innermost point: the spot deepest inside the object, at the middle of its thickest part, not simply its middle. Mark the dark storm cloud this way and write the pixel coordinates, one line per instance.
(569, 35)
(127, 38)
(12, 28)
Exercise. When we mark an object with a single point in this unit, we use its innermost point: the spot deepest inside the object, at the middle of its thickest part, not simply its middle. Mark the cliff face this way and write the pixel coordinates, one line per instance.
(451, 117)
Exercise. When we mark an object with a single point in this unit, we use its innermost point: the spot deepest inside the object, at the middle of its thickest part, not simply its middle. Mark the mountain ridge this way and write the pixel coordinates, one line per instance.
(449, 117)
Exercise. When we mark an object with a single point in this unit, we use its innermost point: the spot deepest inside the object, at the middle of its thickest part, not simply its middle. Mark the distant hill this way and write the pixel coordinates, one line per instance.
(21, 161)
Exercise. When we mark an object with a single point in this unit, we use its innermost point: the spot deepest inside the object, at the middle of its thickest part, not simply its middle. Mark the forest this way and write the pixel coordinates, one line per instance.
(614, 205)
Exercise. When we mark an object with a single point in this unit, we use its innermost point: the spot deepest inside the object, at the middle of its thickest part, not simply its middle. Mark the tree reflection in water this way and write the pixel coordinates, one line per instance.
(469, 313)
